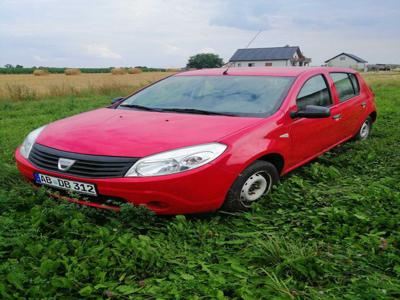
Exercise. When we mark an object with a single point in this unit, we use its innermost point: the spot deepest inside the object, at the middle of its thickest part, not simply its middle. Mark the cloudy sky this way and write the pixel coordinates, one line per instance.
(161, 33)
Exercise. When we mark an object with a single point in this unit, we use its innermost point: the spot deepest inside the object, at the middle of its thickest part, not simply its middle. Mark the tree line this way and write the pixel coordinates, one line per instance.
(198, 61)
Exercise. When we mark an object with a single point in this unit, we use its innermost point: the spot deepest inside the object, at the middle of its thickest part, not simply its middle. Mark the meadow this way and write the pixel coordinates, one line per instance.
(330, 230)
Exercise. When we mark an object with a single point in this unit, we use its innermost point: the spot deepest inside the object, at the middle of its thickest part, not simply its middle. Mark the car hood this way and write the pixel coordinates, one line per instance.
(134, 133)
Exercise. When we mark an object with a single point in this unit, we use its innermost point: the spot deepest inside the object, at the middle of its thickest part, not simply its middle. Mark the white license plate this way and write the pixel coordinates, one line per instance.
(65, 184)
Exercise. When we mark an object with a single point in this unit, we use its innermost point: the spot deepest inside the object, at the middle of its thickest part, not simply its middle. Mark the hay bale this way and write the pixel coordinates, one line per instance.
(134, 71)
(118, 71)
(40, 72)
(72, 71)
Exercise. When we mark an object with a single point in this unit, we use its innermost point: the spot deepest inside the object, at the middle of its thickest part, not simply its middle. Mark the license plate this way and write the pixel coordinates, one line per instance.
(65, 184)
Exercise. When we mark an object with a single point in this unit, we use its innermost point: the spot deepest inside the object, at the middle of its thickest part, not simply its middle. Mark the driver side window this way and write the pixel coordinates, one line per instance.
(314, 92)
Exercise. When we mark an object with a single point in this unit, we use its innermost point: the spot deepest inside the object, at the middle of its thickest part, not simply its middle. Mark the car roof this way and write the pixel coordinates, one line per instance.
(263, 71)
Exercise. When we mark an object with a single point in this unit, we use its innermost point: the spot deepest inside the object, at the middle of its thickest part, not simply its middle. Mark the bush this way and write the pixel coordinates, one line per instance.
(72, 71)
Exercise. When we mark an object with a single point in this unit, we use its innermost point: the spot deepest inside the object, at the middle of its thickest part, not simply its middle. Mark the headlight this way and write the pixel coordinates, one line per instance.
(26, 146)
(176, 161)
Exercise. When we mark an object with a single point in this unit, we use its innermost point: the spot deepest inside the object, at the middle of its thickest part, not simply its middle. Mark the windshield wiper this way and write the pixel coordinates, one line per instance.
(182, 110)
(197, 111)
(140, 107)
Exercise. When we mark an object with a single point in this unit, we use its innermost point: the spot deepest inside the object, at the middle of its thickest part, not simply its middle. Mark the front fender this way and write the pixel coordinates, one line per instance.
(255, 144)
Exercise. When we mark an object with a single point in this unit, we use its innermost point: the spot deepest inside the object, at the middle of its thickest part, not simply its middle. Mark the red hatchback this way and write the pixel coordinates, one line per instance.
(200, 140)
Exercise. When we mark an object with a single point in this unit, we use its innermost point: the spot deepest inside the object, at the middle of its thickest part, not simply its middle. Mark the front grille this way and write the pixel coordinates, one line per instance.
(90, 166)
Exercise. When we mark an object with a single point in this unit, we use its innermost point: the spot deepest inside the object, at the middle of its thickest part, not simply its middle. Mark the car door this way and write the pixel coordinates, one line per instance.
(351, 104)
(310, 137)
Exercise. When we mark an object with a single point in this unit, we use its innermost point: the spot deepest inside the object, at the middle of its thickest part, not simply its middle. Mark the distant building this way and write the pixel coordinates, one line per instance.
(269, 57)
(347, 60)
(380, 67)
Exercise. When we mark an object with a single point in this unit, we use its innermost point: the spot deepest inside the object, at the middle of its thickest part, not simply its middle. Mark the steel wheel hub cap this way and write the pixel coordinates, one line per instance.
(255, 187)
(364, 131)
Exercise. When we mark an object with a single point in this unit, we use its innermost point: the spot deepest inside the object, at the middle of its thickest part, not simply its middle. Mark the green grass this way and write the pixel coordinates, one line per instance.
(330, 230)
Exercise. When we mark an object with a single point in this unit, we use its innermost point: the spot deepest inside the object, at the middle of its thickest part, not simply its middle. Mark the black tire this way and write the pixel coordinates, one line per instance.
(236, 200)
(365, 130)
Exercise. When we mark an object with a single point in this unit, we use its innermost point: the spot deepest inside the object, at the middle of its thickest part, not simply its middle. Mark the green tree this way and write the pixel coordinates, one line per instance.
(205, 60)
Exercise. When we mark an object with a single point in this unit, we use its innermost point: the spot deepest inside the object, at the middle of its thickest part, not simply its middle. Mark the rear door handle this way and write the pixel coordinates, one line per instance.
(364, 104)
(337, 117)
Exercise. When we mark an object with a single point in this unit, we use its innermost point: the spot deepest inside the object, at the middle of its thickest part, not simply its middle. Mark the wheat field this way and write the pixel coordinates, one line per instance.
(29, 87)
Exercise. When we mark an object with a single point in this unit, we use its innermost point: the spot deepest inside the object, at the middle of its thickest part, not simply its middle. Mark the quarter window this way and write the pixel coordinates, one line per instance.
(346, 85)
(314, 92)
(355, 83)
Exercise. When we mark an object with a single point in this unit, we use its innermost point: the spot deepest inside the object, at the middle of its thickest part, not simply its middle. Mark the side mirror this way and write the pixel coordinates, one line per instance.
(115, 100)
(312, 112)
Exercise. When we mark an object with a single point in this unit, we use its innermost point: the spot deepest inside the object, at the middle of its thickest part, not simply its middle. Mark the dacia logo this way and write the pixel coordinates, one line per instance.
(64, 164)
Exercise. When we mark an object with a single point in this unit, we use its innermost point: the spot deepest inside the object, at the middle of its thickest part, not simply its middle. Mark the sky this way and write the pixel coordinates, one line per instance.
(161, 33)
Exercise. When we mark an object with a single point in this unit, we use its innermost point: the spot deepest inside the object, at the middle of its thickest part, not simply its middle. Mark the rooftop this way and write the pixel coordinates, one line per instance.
(356, 58)
(260, 54)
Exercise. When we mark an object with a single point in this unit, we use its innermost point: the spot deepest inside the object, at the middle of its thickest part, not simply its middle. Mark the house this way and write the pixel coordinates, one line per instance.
(269, 57)
(347, 60)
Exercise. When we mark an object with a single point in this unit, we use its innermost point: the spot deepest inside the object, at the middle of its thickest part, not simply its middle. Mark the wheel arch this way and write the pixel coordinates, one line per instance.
(373, 116)
(274, 158)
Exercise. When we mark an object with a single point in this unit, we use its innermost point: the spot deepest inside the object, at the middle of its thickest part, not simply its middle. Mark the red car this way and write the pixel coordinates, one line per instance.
(200, 140)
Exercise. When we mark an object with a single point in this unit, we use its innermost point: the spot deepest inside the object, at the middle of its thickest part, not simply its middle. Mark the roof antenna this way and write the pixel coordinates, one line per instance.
(248, 45)
(226, 70)
(253, 39)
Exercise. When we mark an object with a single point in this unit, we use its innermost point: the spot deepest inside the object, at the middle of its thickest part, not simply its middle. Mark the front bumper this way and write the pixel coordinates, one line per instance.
(199, 190)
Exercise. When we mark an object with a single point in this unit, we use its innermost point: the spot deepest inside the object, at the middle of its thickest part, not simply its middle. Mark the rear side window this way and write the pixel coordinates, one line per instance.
(346, 85)
(314, 92)
(355, 83)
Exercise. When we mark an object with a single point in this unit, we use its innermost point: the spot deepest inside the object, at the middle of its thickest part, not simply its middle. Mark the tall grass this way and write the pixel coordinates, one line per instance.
(18, 92)
(28, 87)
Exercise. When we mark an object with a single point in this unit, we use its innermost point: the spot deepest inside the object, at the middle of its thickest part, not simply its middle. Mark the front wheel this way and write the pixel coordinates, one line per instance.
(250, 186)
(365, 130)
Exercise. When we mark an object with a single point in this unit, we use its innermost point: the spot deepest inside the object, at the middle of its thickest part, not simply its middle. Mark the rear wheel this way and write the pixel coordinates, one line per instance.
(365, 130)
(251, 185)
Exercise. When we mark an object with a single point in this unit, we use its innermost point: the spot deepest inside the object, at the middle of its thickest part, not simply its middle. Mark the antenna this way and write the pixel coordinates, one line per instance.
(226, 70)
(251, 41)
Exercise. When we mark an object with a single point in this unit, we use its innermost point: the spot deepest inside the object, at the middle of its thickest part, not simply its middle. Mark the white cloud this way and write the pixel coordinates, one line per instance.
(101, 51)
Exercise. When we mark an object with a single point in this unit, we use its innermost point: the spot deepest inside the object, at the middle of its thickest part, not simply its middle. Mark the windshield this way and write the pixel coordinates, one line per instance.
(231, 95)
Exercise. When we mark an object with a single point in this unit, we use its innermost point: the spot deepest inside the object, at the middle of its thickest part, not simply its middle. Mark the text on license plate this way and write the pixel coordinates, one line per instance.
(70, 185)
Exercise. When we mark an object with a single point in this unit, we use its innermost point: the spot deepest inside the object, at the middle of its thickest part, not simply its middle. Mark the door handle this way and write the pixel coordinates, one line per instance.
(337, 117)
(364, 104)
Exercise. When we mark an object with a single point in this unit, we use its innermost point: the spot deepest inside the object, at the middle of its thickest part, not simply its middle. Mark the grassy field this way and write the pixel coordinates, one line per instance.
(329, 231)
(29, 87)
